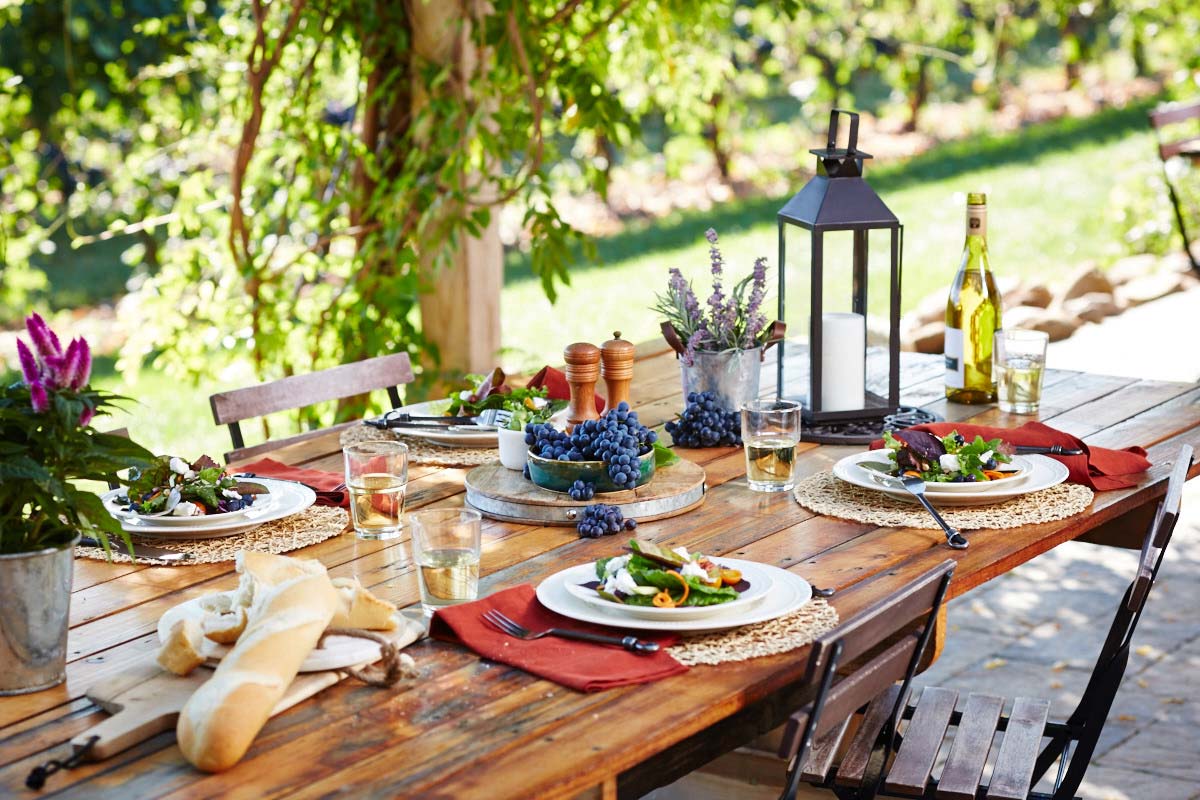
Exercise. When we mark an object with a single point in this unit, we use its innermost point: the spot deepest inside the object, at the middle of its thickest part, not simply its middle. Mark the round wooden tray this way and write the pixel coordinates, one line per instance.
(501, 493)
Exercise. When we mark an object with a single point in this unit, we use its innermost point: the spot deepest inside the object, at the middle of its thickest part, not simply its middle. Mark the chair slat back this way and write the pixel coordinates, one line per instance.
(865, 633)
(299, 391)
(1159, 534)
(1160, 118)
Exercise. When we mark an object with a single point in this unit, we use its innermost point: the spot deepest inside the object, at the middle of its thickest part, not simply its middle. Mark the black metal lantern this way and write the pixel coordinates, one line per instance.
(838, 200)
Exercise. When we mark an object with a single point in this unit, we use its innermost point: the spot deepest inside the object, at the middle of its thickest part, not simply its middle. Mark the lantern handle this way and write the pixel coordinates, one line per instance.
(852, 143)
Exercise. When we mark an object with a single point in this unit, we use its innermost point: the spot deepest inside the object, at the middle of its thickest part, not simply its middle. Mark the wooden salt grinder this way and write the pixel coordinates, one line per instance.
(617, 369)
(582, 371)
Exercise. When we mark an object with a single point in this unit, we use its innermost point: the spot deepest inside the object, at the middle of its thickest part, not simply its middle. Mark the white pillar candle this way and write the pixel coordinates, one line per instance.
(843, 361)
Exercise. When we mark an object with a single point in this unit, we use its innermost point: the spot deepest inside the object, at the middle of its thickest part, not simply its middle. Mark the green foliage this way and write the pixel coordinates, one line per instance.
(42, 454)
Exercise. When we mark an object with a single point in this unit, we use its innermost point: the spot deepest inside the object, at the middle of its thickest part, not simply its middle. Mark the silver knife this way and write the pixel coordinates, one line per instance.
(139, 550)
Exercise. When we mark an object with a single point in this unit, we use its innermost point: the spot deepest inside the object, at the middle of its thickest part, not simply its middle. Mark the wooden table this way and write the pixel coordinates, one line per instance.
(478, 729)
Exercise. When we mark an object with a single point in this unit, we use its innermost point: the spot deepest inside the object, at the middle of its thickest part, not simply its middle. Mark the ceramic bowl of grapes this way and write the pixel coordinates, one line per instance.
(560, 476)
(610, 454)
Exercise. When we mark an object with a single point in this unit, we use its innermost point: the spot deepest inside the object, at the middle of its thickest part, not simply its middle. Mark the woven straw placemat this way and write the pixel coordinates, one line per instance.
(313, 525)
(422, 451)
(769, 638)
(826, 494)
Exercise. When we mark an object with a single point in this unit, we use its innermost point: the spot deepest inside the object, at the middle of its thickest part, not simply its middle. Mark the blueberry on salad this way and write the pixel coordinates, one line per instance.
(947, 459)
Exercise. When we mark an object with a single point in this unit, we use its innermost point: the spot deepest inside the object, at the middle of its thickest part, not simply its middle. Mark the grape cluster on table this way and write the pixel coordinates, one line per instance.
(617, 439)
(603, 520)
(704, 423)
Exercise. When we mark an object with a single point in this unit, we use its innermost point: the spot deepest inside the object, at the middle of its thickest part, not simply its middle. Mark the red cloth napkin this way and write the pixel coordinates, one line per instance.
(318, 480)
(1098, 467)
(582, 666)
(557, 387)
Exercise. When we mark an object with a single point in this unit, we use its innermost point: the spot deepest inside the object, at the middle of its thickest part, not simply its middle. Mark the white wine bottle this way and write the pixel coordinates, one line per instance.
(972, 315)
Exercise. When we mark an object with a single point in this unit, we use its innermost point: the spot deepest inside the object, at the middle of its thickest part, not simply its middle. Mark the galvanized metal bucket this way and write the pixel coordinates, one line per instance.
(36, 592)
(732, 375)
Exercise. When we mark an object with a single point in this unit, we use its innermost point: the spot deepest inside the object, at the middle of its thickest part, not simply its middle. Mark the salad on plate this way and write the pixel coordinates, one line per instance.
(171, 486)
(650, 575)
(947, 459)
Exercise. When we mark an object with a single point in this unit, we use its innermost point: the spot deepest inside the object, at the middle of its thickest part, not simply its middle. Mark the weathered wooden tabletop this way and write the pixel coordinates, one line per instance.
(477, 729)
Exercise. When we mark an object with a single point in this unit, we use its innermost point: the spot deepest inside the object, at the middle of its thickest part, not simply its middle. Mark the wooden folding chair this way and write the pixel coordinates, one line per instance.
(813, 734)
(298, 391)
(1021, 760)
(1188, 148)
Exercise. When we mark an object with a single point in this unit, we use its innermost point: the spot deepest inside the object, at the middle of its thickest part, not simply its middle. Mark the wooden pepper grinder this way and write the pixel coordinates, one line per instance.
(616, 367)
(582, 371)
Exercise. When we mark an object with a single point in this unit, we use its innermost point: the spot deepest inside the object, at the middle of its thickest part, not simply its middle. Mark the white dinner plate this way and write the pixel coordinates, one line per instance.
(759, 580)
(335, 653)
(1020, 463)
(788, 592)
(432, 408)
(1044, 473)
(288, 498)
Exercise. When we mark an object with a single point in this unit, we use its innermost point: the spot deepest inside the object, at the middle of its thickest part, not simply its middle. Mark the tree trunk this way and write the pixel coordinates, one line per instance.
(712, 134)
(918, 94)
(461, 315)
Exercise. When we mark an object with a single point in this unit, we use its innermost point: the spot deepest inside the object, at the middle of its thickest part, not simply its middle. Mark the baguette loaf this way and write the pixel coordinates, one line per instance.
(220, 720)
(358, 608)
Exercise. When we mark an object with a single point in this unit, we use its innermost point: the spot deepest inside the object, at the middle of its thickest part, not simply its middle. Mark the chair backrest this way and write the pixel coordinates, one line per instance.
(863, 634)
(1090, 715)
(298, 391)
(1174, 114)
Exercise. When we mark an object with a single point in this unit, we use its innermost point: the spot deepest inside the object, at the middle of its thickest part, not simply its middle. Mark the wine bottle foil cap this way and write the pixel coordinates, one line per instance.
(977, 199)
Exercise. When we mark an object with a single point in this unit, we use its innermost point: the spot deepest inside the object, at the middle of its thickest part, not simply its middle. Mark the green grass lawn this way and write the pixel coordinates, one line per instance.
(1048, 186)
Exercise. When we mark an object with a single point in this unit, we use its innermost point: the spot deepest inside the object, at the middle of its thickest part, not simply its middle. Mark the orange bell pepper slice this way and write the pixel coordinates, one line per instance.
(686, 587)
(663, 600)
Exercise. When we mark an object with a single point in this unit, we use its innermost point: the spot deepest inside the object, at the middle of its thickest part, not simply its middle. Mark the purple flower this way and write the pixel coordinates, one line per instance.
(86, 415)
(38, 397)
(44, 341)
(693, 344)
(29, 365)
(76, 366)
(755, 319)
(683, 289)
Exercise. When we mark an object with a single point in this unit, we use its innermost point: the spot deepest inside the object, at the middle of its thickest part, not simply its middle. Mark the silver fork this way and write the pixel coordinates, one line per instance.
(518, 631)
(916, 487)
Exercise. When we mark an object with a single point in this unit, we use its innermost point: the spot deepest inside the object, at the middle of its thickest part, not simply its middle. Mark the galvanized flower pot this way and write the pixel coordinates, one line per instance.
(732, 375)
(36, 592)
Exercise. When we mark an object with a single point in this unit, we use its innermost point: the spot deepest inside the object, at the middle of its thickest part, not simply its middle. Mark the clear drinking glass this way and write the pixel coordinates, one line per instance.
(446, 545)
(770, 433)
(376, 478)
(1019, 365)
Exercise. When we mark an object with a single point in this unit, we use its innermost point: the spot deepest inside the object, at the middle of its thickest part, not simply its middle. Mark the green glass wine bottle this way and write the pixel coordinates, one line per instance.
(972, 315)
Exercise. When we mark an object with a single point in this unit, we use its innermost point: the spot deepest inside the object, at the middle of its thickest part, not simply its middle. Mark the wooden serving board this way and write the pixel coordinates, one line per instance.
(145, 701)
(501, 493)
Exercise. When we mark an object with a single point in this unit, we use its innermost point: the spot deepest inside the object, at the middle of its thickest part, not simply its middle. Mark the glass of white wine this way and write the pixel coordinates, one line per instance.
(446, 545)
(376, 478)
(770, 433)
(1020, 364)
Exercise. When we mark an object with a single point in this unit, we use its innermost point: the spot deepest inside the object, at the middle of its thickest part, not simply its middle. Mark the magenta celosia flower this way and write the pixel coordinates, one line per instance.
(45, 342)
(76, 366)
(38, 397)
(29, 366)
(86, 416)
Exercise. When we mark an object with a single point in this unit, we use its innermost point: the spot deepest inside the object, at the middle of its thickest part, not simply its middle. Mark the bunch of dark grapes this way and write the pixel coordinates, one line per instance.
(705, 424)
(602, 520)
(617, 439)
(582, 490)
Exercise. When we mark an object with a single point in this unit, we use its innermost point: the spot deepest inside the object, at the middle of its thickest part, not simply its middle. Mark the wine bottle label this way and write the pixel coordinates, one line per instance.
(977, 221)
(955, 369)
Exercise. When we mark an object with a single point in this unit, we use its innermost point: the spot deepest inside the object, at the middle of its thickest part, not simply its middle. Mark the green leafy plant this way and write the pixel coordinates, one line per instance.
(47, 443)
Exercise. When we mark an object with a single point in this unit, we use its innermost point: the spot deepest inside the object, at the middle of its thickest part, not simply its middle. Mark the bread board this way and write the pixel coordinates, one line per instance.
(501, 493)
(145, 701)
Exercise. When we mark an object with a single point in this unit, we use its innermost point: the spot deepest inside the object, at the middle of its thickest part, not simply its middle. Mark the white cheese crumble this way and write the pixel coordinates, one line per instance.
(985, 457)
(622, 581)
(189, 475)
(682, 552)
(184, 509)
(949, 462)
(231, 494)
(691, 569)
(614, 564)
(178, 465)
